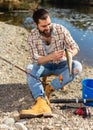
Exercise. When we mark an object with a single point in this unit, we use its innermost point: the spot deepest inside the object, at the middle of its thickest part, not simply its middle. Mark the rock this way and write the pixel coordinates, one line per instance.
(16, 115)
(9, 121)
(20, 126)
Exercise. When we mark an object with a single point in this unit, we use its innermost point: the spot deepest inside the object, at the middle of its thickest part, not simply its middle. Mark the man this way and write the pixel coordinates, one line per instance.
(47, 42)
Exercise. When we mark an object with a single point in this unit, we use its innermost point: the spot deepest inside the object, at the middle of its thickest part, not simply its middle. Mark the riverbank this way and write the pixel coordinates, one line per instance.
(15, 94)
(18, 5)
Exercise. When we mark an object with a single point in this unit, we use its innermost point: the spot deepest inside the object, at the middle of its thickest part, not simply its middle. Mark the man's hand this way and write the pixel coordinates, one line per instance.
(57, 55)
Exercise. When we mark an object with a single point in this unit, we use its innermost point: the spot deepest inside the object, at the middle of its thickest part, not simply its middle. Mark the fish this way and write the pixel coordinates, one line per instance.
(69, 61)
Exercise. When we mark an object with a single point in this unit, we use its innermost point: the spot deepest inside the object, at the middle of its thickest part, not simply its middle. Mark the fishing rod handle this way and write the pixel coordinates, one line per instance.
(71, 100)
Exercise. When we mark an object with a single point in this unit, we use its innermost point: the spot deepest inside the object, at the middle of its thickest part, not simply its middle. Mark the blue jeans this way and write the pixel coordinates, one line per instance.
(39, 71)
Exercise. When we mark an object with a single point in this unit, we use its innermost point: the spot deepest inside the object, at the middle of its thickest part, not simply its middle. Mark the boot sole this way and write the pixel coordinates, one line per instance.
(46, 115)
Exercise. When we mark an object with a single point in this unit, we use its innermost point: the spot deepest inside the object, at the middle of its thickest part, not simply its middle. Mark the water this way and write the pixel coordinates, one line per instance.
(79, 21)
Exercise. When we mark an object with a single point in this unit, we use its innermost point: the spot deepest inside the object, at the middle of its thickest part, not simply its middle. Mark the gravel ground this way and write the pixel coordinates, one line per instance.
(15, 94)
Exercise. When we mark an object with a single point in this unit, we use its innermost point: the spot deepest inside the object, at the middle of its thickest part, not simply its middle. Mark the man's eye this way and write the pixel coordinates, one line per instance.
(44, 26)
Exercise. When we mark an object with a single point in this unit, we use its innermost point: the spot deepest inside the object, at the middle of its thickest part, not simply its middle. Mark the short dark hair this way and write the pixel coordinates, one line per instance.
(40, 14)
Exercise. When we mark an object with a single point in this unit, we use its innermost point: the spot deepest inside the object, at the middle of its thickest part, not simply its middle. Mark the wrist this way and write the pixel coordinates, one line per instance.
(50, 57)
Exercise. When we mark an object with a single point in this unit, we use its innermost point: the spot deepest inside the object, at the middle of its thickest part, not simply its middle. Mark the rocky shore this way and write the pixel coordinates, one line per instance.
(15, 94)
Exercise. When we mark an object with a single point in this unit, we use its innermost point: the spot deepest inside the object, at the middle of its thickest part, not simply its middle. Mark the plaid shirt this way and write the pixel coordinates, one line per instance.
(60, 37)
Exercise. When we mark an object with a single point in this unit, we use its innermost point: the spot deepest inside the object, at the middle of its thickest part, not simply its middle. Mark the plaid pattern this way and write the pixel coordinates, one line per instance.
(60, 36)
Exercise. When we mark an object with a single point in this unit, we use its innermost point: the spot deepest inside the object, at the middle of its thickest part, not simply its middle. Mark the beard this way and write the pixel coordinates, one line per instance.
(46, 33)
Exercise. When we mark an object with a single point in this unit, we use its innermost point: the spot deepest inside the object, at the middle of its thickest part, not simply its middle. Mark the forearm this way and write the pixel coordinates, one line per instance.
(54, 56)
(44, 59)
(74, 51)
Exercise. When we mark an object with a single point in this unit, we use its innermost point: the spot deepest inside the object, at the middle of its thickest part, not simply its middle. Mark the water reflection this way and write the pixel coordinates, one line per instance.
(15, 18)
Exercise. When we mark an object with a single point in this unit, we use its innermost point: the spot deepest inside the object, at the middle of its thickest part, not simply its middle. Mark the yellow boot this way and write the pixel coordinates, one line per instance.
(48, 90)
(41, 108)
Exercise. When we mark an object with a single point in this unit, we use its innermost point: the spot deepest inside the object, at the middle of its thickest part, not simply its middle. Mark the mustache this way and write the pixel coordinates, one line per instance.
(43, 32)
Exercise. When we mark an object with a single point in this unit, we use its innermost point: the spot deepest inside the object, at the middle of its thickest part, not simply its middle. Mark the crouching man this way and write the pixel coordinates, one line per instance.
(47, 42)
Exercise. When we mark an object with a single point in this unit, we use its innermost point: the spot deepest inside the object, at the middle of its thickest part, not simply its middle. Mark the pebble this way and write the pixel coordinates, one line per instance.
(9, 121)
(4, 127)
(20, 126)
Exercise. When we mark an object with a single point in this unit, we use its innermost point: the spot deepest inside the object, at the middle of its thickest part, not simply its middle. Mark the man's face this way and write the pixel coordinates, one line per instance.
(45, 26)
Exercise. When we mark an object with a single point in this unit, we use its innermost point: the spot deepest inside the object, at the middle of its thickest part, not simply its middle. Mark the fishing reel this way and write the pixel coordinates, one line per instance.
(83, 111)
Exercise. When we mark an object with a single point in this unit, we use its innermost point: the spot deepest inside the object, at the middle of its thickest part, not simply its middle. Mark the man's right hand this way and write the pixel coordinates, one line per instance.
(57, 55)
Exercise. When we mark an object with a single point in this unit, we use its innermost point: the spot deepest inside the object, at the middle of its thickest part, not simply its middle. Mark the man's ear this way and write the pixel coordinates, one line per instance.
(35, 24)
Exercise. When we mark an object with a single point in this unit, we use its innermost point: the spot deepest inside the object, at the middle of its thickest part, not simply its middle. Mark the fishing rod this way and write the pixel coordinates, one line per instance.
(19, 68)
(71, 100)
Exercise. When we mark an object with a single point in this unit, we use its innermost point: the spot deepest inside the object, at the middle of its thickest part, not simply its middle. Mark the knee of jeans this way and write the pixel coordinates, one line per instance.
(29, 68)
(77, 69)
(80, 70)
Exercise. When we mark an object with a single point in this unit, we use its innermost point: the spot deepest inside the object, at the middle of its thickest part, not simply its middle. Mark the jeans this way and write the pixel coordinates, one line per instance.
(39, 71)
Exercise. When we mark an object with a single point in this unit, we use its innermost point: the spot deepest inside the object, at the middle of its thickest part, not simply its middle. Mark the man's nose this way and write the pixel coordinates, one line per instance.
(47, 27)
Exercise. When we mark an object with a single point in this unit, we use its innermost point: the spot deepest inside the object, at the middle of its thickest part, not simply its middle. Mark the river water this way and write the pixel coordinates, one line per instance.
(78, 20)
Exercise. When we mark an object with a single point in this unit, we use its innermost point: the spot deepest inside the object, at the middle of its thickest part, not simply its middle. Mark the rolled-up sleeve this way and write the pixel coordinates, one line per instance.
(69, 40)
